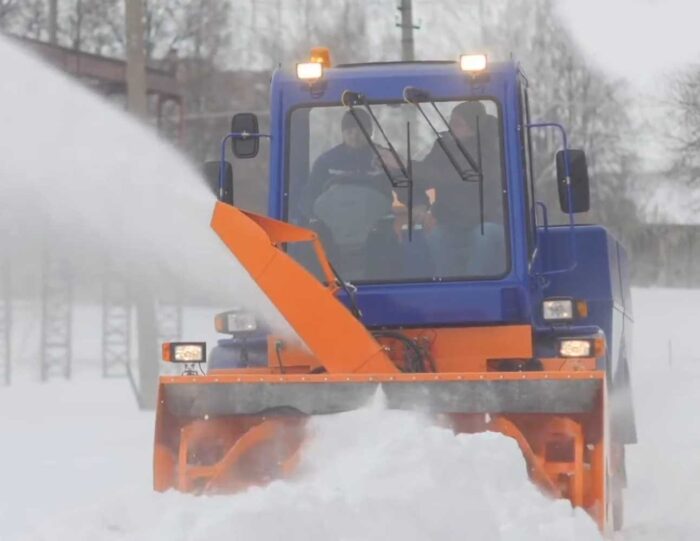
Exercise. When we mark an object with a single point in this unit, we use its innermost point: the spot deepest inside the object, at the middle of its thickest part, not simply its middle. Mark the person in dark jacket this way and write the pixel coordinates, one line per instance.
(353, 158)
(460, 247)
(457, 201)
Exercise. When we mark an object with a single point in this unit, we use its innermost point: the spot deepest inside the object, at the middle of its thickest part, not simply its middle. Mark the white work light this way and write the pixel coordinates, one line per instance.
(188, 353)
(558, 309)
(185, 352)
(309, 71)
(472, 62)
(234, 322)
(575, 348)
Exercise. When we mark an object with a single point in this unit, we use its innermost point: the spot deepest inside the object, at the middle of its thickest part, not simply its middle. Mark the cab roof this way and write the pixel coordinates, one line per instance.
(402, 69)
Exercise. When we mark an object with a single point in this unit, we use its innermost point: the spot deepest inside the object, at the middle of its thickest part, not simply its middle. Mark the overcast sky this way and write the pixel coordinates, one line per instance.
(636, 39)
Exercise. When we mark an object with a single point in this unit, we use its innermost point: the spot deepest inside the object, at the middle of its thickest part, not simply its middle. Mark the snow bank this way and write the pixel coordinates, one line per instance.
(367, 474)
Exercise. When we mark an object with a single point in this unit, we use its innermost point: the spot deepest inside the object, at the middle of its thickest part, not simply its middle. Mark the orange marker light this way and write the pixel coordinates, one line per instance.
(321, 55)
(582, 308)
(166, 352)
(599, 347)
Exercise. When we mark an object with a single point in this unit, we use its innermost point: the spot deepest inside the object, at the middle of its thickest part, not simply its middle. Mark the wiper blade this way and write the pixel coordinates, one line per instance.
(353, 99)
(414, 96)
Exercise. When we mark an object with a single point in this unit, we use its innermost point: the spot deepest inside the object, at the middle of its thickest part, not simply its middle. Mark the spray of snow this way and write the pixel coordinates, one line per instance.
(84, 178)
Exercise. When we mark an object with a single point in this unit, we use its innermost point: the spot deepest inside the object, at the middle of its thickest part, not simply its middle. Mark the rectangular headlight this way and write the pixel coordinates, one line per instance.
(572, 347)
(241, 322)
(558, 310)
(235, 322)
(185, 352)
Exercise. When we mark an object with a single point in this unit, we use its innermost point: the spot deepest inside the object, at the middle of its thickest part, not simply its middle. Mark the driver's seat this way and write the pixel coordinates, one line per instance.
(351, 211)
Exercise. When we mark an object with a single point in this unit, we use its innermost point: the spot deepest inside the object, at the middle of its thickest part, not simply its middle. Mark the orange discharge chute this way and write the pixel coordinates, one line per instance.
(235, 428)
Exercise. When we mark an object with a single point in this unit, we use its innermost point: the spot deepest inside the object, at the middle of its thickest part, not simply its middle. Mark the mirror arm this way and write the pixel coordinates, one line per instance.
(567, 171)
(222, 159)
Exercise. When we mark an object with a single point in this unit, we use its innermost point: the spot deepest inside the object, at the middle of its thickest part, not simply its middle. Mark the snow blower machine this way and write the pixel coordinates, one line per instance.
(407, 248)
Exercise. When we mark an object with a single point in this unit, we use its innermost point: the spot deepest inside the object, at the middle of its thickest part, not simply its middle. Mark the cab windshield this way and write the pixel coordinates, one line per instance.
(339, 187)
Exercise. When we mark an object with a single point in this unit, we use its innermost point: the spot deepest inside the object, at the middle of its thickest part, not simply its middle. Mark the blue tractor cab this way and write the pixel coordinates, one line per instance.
(475, 250)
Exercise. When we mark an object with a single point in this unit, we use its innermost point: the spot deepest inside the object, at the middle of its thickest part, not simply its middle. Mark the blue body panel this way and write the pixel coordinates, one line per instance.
(437, 303)
(597, 268)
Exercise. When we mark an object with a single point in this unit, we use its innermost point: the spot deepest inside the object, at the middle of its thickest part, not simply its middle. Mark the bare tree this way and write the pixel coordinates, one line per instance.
(565, 88)
(685, 122)
(7, 8)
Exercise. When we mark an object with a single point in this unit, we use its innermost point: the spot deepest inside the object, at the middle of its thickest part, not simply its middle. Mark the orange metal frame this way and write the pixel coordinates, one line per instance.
(566, 455)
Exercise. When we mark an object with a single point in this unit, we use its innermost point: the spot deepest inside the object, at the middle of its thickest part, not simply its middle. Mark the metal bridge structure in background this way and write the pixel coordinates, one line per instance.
(126, 309)
(116, 326)
(107, 76)
(169, 320)
(56, 348)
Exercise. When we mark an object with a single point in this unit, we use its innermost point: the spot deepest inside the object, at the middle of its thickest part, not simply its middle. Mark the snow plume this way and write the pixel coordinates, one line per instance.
(370, 474)
(81, 177)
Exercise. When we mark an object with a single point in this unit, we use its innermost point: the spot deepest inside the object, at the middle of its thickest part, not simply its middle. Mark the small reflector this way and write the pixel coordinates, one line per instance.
(599, 346)
(472, 62)
(582, 308)
(165, 352)
(309, 71)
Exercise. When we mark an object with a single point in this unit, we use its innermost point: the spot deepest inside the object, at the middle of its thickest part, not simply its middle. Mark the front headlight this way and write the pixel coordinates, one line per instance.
(572, 347)
(185, 352)
(188, 353)
(234, 322)
(558, 309)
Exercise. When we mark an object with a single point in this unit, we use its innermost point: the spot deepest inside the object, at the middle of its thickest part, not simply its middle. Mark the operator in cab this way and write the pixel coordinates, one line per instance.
(459, 245)
(347, 197)
(352, 159)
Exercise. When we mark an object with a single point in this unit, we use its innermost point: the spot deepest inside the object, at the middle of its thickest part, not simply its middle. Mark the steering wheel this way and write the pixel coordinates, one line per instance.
(350, 207)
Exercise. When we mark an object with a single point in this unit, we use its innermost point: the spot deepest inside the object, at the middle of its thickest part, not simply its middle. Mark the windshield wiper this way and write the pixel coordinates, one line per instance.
(414, 96)
(354, 99)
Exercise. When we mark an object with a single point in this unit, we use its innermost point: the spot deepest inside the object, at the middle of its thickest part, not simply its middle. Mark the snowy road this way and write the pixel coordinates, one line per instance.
(76, 461)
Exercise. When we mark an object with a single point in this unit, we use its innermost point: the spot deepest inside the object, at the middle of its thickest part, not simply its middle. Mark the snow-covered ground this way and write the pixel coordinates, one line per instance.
(76, 465)
(663, 498)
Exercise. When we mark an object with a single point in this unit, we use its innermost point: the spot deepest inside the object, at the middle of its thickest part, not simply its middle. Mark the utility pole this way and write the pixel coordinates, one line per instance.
(135, 60)
(137, 103)
(53, 21)
(407, 28)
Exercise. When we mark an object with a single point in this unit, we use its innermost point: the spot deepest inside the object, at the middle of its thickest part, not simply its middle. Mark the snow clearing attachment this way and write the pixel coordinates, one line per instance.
(430, 277)
(239, 427)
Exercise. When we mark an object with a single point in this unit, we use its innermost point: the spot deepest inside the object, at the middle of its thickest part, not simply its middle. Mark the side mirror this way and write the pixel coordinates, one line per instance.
(245, 146)
(211, 175)
(578, 171)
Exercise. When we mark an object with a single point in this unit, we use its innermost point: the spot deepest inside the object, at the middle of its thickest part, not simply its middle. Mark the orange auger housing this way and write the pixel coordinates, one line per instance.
(231, 429)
